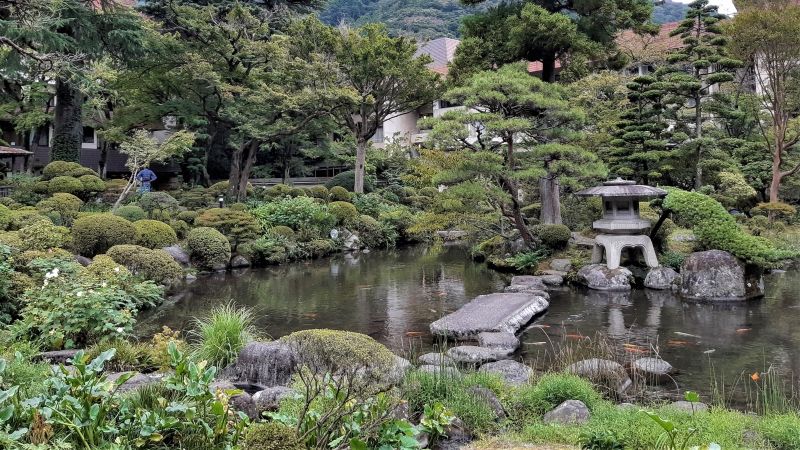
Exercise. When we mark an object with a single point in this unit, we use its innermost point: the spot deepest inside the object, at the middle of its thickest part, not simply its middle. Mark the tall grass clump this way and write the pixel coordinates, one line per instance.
(220, 336)
(551, 390)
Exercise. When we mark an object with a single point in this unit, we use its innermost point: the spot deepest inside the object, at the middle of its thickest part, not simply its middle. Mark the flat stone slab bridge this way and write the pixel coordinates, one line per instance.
(494, 313)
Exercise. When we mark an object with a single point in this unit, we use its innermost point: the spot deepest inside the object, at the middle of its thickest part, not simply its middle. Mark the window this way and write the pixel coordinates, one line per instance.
(88, 135)
(378, 138)
(446, 104)
(44, 137)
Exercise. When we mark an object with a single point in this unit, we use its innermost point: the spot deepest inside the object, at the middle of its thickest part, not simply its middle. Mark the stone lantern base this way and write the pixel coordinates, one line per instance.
(612, 245)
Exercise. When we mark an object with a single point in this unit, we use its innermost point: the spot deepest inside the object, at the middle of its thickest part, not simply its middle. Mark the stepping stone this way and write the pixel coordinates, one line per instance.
(498, 340)
(507, 312)
(470, 354)
(435, 359)
(520, 288)
(653, 369)
(603, 372)
(553, 280)
(571, 412)
(512, 372)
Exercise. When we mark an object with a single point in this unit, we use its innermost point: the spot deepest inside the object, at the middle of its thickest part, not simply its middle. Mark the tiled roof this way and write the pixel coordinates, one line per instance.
(442, 51)
(537, 66)
(13, 151)
(647, 47)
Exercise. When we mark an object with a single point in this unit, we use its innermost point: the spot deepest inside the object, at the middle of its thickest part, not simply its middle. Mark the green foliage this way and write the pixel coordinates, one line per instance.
(104, 266)
(781, 430)
(5, 217)
(268, 250)
(344, 212)
(551, 390)
(320, 247)
(340, 194)
(131, 212)
(156, 265)
(600, 440)
(158, 204)
(271, 436)
(128, 356)
(61, 206)
(716, 229)
(672, 259)
(65, 169)
(346, 180)
(43, 236)
(372, 204)
(281, 231)
(776, 210)
(555, 237)
(237, 226)
(297, 213)
(528, 260)
(154, 234)
(67, 185)
(92, 235)
(222, 334)
(209, 248)
(734, 191)
(320, 192)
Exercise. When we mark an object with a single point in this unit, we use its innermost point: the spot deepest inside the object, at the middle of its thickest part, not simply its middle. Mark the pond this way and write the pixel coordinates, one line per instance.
(393, 296)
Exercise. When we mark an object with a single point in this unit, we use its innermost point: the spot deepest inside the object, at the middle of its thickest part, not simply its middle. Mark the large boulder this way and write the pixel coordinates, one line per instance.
(571, 412)
(653, 369)
(512, 372)
(601, 278)
(660, 278)
(263, 364)
(715, 275)
(269, 399)
(179, 255)
(498, 340)
(603, 372)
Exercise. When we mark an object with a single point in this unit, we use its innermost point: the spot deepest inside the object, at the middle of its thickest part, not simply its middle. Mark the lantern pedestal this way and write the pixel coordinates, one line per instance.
(613, 244)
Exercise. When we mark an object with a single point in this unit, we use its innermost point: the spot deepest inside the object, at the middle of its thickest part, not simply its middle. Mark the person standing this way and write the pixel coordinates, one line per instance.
(146, 178)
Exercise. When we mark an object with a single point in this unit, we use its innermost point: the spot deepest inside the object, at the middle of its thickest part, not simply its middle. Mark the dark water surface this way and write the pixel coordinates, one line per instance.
(394, 296)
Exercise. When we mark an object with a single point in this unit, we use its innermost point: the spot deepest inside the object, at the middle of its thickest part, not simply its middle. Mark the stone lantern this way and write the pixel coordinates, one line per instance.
(621, 226)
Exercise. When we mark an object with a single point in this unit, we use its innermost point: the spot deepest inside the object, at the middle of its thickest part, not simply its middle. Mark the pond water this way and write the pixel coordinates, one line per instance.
(394, 296)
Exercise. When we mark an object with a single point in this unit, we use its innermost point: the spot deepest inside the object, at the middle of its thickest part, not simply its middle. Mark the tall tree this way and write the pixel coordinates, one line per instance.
(767, 36)
(697, 70)
(596, 21)
(519, 131)
(388, 80)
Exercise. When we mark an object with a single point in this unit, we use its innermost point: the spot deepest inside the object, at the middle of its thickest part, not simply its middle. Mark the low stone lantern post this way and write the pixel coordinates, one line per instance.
(621, 226)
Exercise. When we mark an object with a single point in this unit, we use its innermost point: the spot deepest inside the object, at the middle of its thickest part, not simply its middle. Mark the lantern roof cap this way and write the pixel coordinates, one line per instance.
(622, 188)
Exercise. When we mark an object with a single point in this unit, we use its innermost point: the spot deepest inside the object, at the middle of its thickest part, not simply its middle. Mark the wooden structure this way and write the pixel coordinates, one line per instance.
(621, 225)
(14, 160)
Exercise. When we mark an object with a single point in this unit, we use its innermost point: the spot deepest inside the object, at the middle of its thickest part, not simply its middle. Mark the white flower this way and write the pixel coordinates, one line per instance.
(79, 294)
(116, 269)
(104, 284)
(120, 329)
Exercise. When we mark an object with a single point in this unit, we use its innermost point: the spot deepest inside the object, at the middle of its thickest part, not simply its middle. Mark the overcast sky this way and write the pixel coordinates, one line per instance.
(725, 6)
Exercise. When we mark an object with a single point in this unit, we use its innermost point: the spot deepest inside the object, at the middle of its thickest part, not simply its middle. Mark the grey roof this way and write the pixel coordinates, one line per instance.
(622, 188)
(442, 51)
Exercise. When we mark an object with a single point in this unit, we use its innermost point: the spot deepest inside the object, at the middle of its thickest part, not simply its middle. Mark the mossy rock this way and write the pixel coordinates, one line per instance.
(681, 240)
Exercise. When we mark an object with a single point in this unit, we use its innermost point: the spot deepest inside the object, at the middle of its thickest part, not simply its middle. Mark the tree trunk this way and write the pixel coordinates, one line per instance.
(101, 163)
(550, 194)
(698, 133)
(67, 123)
(516, 215)
(549, 68)
(286, 173)
(777, 176)
(242, 161)
(361, 160)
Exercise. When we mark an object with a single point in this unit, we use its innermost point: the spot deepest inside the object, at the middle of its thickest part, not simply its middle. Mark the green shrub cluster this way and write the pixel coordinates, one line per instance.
(94, 234)
(238, 226)
(154, 234)
(344, 212)
(320, 192)
(131, 212)
(555, 237)
(43, 235)
(21, 218)
(70, 178)
(550, 391)
(158, 205)
(272, 436)
(61, 208)
(281, 231)
(5, 217)
(716, 229)
(65, 169)
(208, 248)
(340, 194)
(297, 213)
(155, 265)
(320, 247)
(347, 180)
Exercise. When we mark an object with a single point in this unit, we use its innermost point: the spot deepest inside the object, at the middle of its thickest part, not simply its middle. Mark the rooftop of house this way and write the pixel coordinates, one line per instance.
(649, 48)
(6, 152)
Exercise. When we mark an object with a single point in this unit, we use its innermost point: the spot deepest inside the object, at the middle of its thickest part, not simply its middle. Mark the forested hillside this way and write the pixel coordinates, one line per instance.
(428, 19)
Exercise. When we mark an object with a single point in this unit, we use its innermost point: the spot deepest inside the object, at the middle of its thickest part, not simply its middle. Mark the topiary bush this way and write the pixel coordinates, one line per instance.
(238, 226)
(344, 212)
(555, 237)
(187, 216)
(340, 194)
(62, 208)
(208, 248)
(776, 210)
(320, 247)
(43, 235)
(296, 213)
(551, 390)
(104, 267)
(158, 204)
(65, 169)
(281, 231)
(154, 234)
(266, 250)
(95, 234)
(131, 212)
(23, 217)
(347, 180)
(716, 229)
(319, 192)
(92, 183)
(271, 436)
(69, 185)
(156, 265)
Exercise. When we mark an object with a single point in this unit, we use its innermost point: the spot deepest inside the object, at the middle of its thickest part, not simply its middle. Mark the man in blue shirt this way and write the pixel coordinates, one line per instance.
(146, 177)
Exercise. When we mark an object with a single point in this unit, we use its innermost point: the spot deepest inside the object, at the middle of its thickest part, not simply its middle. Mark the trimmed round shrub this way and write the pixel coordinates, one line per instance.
(156, 265)
(180, 228)
(340, 194)
(92, 183)
(65, 169)
(209, 248)
(21, 218)
(551, 390)
(94, 234)
(70, 185)
(131, 212)
(43, 235)
(197, 198)
(104, 267)
(22, 260)
(187, 216)
(5, 217)
(278, 191)
(266, 251)
(347, 180)
(271, 436)
(319, 192)
(61, 206)
(320, 247)
(553, 236)
(11, 239)
(154, 234)
(237, 226)
(158, 203)
(281, 231)
(344, 212)
(223, 187)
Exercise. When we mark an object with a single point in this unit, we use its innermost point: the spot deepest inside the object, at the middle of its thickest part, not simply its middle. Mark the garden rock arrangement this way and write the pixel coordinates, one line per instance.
(513, 372)
(601, 278)
(660, 278)
(571, 412)
(715, 275)
(501, 312)
(603, 372)
(653, 369)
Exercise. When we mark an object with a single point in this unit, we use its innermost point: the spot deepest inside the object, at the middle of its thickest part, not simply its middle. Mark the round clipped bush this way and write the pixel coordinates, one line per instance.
(187, 216)
(5, 217)
(340, 194)
(104, 267)
(209, 248)
(154, 234)
(238, 226)
(156, 265)
(281, 231)
(320, 247)
(43, 235)
(319, 192)
(65, 169)
(223, 187)
(344, 212)
(11, 239)
(92, 183)
(180, 228)
(23, 259)
(347, 180)
(278, 191)
(131, 212)
(94, 234)
(61, 206)
(21, 218)
(271, 436)
(70, 185)
(158, 203)
(553, 236)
